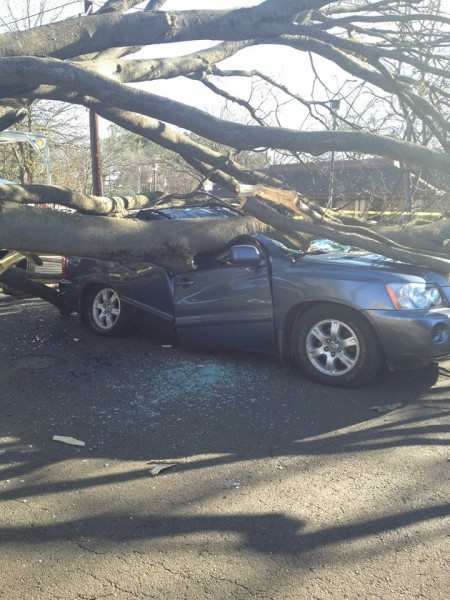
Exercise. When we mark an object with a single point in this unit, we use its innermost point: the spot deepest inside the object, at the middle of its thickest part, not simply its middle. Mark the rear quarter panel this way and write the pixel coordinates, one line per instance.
(144, 289)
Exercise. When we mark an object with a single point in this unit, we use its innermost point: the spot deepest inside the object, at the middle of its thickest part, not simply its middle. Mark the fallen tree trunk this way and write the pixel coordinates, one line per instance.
(169, 243)
(173, 244)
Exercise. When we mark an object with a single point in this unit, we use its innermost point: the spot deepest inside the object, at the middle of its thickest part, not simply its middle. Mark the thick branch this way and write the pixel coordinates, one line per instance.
(243, 137)
(95, 205)
(86, 35)
(170, 243)
(132, 71)
(267, 215)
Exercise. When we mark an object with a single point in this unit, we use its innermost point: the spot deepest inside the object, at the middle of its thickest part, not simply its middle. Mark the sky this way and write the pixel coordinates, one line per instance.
(218, 4)
(281, 63)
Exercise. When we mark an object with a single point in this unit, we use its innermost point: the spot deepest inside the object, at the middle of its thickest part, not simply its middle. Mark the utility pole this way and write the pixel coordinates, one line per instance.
(96, 167)
(154, 169)
(407, 176)
(334, 105)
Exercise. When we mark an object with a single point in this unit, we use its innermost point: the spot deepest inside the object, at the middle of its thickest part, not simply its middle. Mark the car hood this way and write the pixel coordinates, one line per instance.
(375, 262)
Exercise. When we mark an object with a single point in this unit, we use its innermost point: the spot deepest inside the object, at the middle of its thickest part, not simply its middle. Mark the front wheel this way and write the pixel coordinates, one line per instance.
(334, 345)
(103, 311)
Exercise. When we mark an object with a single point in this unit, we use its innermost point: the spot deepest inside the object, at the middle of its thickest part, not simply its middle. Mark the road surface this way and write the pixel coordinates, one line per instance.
(277, 488)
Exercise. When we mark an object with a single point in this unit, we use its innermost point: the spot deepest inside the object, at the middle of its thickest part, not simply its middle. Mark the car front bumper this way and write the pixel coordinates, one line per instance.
(415, 336)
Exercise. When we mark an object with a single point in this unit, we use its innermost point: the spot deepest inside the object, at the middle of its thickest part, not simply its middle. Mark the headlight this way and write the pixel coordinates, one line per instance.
(406, 296)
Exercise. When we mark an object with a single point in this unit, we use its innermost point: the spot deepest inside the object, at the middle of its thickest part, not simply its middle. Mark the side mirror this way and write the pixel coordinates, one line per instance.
(245, 255)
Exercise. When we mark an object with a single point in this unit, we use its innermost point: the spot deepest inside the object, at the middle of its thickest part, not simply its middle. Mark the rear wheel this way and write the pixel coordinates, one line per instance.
(103, 311)
(334, 345)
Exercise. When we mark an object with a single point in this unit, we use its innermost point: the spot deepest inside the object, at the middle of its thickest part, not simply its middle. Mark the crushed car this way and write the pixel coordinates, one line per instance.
(340, 316)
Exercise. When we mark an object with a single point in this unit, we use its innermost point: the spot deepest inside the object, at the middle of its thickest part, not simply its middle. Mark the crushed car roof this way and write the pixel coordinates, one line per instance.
(186, 212)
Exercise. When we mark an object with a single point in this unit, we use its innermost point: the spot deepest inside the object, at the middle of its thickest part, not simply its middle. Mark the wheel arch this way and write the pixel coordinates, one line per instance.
(299, 309)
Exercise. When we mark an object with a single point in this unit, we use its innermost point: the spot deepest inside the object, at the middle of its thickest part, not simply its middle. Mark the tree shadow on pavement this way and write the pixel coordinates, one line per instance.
(265, 533)
(322, 421)
(136, 403)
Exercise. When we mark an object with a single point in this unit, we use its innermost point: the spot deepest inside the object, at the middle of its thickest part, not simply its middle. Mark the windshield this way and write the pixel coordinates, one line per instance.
(295, 252)
(325, 246)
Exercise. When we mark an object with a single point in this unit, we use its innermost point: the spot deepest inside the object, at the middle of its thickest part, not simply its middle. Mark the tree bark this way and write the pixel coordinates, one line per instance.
(236, 135)
(78, 36)
(169, 243)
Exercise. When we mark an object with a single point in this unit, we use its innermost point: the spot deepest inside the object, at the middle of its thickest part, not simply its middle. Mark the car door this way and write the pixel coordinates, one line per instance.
(227, 304)
(146, 291)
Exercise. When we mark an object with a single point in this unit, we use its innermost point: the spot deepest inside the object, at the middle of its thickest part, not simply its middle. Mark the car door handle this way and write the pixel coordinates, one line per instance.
(183, 282)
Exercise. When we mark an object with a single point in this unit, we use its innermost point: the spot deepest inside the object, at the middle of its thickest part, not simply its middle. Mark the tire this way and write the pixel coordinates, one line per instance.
(335, 346)
(103, 312)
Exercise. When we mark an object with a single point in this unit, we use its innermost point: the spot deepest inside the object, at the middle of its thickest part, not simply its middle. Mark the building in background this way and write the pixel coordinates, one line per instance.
(364, 185)
(371, 185)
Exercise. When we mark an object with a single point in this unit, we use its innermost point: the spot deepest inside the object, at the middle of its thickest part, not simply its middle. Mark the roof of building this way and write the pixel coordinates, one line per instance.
(375, 177)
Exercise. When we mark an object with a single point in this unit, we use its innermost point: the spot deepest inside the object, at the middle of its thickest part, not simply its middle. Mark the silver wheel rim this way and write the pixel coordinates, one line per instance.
(106, 308)
(332, 347)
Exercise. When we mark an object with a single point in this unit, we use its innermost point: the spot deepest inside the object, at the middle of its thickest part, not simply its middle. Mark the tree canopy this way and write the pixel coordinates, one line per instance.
(386, 61)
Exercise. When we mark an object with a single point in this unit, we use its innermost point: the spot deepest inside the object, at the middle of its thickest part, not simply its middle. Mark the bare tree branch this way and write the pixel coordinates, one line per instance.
(69, 76)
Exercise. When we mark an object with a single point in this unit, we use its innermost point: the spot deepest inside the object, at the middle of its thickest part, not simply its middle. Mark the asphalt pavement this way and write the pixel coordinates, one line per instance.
(212, 475)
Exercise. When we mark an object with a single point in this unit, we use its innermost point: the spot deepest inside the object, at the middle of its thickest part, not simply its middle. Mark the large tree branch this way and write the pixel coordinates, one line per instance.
(86, 35)
(264, 213)
(218, 167)
(138, 70)
(89, 205)
(123, 6)
(243, 137)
